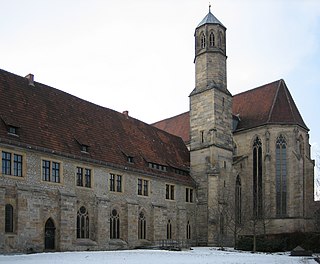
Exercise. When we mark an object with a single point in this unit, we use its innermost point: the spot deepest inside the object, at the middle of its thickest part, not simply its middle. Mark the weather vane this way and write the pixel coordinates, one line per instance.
(209, 7)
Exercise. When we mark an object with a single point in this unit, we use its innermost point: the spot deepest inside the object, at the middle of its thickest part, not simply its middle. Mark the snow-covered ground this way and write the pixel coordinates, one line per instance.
(195, 256)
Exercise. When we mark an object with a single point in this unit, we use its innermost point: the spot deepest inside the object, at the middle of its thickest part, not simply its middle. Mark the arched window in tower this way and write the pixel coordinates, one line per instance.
(220, 40)
(8, 218)
(281, 176)
(257, 178)
(114, 224)
(238, 201)
(211, 40)
(169, 230)
(82, 223)
(203, 40)
(142, 226)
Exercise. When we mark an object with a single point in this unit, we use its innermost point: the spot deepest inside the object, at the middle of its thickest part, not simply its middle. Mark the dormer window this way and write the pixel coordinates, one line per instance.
(84, 148)
(13, 130)
(130, 159)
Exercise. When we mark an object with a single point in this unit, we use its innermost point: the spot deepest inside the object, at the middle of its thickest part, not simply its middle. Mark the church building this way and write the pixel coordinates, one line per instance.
(78, 176)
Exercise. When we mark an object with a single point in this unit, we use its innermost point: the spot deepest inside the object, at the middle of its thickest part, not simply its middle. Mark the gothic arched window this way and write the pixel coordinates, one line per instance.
(220, 40)
(222, 224)
(142, 226)
(257, 178)
(169, 230)
(82, 223)
(211, 40)
(281, 176)
(238, 201)
(203, 40)
(188, 230)
(9, 218)
(114, 224)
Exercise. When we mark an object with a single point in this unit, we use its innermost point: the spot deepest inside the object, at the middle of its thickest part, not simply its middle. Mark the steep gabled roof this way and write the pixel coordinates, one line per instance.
(58, 122)
(268, 104)
(177, 125)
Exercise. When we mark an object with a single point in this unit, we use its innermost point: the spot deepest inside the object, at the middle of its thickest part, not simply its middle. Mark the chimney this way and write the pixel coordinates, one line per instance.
(30, 78)
(126, 113)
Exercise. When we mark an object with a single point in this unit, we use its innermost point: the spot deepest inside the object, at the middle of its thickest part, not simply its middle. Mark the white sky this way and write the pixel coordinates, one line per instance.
(138, 55)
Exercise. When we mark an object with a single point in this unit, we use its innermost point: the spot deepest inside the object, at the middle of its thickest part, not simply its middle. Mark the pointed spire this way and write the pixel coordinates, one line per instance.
(210, 19)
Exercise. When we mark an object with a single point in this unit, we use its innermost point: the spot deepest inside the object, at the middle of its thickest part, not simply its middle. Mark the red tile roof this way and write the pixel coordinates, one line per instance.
(178, 125)
(55, 121)
(268, 104)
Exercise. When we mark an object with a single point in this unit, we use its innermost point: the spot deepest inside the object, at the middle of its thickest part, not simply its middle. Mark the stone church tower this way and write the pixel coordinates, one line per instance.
(210, 127)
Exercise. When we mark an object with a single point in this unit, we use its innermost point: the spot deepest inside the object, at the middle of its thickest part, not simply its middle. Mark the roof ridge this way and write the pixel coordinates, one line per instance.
(289, 102)
(175, 116)
(256, 88)
(274, 101)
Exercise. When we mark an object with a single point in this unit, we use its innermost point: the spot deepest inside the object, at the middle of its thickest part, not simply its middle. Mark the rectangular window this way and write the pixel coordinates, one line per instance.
(6, 163)
(17, 165)
(83, 177)
(169, 192)
(119, 183)
(79, 176)
(139, 186)
(189, 195)
(143, 187)
(115, 183)
(50, 171)
(112, 184)
(88, 178)
(55, 171)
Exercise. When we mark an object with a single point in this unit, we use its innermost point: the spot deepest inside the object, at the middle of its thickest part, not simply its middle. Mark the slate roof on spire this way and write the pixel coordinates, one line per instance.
(210, 19)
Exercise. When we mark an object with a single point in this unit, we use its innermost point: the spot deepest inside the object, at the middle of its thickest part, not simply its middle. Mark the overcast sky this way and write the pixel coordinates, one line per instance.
(137, 55)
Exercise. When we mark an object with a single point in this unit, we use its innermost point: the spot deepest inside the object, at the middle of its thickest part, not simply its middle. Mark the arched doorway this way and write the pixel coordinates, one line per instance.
(49, 235)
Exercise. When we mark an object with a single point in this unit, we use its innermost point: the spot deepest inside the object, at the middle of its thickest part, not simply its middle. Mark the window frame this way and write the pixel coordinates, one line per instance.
(189, 195)
(143, 187)
(170, 192)
(84, 177)
(83, 224)
(281, 175)
(9, 218)
(51, 171)
(14, 164)
(115, 183)
(115, 227)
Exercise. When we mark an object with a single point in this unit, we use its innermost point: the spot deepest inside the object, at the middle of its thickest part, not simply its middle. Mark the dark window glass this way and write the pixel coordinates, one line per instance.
(139, 186)
(82, 223)
(17, 165)
(55, 172)
(8, 218)
(114, 225)
(46, 170)
(169, 230)
(257, 178)
(112, 182)
(6, 163)
(281, 176)
(142, 226)
(88, 178)
(79, 176)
